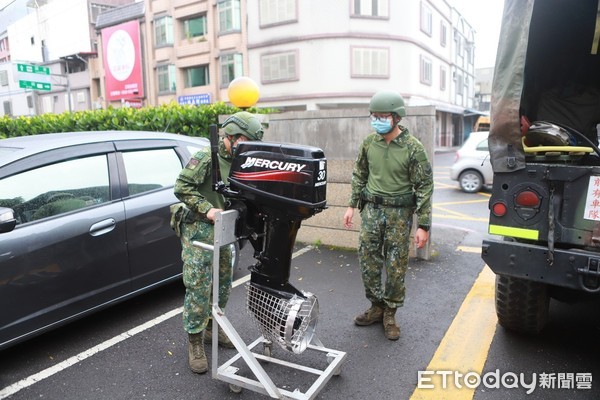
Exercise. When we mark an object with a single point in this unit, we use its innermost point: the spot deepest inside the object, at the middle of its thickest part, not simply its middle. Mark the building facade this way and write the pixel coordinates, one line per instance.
(342, 54)
(188, 51)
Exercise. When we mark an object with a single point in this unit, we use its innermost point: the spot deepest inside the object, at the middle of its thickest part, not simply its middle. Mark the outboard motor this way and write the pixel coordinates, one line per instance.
(274, 187)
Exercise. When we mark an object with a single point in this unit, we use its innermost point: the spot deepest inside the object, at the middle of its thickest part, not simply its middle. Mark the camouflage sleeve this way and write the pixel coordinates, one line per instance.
(189, 180)
(360, 174)
(421, 176)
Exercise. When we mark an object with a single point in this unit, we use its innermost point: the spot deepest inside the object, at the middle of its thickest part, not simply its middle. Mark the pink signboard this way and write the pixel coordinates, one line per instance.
(122, 61)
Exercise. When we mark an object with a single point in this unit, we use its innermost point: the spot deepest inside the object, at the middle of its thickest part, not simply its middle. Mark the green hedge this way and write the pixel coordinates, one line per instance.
(185, 119)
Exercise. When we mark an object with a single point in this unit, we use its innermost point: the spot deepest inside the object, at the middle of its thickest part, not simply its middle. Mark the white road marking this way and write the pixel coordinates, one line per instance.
(48, 372)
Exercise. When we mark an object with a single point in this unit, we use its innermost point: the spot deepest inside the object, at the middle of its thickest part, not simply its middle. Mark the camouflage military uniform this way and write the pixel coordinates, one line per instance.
(390, 183)
(194, 188)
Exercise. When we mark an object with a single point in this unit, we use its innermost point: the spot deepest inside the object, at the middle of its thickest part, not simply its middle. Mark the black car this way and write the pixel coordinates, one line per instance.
(84, 223)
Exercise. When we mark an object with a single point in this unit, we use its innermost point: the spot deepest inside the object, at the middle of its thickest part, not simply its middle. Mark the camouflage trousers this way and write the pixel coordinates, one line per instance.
(384, 242)
(197, 275)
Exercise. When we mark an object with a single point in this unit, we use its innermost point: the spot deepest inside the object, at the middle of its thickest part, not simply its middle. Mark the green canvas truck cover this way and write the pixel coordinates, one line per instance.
(547, 68)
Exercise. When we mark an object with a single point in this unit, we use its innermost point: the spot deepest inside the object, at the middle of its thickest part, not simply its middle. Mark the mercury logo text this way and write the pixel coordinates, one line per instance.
(272, 164)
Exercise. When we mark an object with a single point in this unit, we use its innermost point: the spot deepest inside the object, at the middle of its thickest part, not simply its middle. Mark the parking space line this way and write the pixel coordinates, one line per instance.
(456, 215)
(465, 346)
(48, 372)
(440, 185)
(469, 249)
(452, 203)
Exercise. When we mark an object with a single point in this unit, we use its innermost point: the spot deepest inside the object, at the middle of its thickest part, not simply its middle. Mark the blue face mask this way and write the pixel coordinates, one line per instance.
(382, 127)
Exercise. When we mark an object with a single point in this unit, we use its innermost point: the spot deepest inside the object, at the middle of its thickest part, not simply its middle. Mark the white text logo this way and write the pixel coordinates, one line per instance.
(272, 164)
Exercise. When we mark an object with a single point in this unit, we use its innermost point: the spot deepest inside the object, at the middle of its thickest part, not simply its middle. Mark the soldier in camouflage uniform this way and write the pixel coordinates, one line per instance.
(391, 181)
(193, 220)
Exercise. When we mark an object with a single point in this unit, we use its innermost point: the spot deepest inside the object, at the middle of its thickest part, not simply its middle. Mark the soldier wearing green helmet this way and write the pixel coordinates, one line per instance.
(392, 180)
(193, 220)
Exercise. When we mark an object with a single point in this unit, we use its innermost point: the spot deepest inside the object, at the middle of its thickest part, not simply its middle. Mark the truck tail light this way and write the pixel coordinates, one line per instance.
(527, 198)
(499, 209)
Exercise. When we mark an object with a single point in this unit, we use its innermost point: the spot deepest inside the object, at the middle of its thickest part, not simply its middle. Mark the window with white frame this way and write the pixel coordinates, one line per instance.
(370, 62)
(459, 84)
(166, 78)
(230, 17)
(279, 67)
(4, 78)
(469, 47)
(163, 31)
(277, 11)
(7, 107)
(370, 8)
(443, 78)
(459, 44)
(231, 68)
(443, 34)
(426, 19)
(196, 76)
(195, 27)
(426, 71)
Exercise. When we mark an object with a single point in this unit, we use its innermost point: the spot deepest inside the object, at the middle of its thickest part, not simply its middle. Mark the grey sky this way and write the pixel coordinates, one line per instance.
(485, 17)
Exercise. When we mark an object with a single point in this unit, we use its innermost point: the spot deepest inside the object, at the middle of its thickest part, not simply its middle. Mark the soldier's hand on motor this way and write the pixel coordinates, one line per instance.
(210, 215)
(348, 218)
(421, 237)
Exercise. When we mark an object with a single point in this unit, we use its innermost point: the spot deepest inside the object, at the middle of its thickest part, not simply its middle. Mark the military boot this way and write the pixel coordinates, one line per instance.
(223, 339)
(390, 329)
(197, 357)
(372, 315)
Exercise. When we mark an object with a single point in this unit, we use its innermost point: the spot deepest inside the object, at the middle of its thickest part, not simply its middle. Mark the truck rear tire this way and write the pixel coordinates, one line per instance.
(521, 305)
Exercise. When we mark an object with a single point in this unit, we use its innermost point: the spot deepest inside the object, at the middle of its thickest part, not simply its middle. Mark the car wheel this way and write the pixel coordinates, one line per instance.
(470, 181)
(521, 305)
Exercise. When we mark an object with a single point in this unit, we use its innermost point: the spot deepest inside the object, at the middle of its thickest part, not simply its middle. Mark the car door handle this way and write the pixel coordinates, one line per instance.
(102, 227)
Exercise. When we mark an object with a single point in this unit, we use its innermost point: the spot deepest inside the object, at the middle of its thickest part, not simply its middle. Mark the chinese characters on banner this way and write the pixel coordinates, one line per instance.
(592, 200)
(122, 61)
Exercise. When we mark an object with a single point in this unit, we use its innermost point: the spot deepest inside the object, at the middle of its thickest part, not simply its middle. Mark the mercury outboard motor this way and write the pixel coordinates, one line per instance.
(274, 187)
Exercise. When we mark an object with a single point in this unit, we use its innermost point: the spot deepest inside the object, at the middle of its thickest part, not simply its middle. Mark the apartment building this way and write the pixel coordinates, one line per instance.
(304, 54)
(311, 54)
(59, 35)
(184, 51)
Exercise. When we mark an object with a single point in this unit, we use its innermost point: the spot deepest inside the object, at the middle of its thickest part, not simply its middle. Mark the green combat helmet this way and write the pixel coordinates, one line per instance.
(387, 101)
(243, 123)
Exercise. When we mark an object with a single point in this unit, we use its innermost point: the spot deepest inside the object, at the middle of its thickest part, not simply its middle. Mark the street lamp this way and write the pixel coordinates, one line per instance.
(243, 92)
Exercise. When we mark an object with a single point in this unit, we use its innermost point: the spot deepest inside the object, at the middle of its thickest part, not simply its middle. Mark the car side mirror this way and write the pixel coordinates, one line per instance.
(7, 220)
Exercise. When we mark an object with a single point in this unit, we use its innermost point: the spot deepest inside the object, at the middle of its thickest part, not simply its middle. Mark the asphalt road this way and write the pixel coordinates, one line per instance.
(138, 350)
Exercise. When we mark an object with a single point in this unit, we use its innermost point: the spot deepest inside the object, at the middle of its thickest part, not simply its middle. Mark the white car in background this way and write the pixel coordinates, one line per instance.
(472, 168)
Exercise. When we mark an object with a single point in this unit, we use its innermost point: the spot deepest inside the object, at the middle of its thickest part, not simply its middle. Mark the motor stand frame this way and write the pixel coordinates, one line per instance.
(224, 234)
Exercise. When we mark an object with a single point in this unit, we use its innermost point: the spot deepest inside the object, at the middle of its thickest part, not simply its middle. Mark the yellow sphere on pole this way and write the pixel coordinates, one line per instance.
(243, 92)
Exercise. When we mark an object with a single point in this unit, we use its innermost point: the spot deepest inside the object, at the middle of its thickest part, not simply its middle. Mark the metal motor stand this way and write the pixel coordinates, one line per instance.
(224, 234)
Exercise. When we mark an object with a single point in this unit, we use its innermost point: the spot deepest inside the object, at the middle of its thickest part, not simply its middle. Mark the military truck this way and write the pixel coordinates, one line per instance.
(545, 204)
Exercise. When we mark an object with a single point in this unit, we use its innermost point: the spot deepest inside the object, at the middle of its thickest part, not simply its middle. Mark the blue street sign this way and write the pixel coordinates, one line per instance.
(195, 99)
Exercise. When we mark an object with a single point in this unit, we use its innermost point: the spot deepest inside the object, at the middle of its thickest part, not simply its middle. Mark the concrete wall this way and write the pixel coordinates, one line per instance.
(339, 133)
